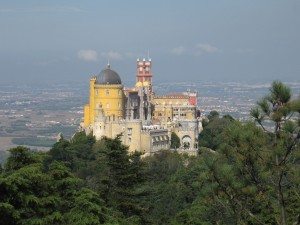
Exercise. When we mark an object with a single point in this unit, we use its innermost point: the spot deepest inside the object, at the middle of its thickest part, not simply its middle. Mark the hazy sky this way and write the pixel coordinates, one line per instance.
(227, 40)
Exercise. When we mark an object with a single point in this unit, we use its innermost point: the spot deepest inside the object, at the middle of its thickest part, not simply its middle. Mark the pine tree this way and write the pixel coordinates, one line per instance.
(32, 194)
(117, 176)
(278, 107)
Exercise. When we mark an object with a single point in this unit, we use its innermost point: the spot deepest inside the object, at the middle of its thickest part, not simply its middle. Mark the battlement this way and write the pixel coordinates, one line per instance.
(178, 96)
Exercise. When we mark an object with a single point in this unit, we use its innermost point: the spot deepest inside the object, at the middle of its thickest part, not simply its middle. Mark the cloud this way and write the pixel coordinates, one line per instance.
(112, 55)
(178, 50)
(200, 49)
(88, 55)
(205, 48)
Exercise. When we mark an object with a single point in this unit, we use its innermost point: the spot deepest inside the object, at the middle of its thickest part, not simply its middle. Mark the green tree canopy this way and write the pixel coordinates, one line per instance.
(32, 195)
(210, 137)
(117, 176)
(175, 141)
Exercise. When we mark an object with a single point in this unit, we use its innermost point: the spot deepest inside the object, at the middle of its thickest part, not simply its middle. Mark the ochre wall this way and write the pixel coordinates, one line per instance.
(86, 119)
(135, 135)
(92, 104)
(170, 101)
(109, 96)
(166, 107)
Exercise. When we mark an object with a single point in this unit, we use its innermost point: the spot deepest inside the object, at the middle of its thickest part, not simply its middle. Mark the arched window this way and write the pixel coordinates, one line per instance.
(106, 92)
(186, 141)
(107, 105)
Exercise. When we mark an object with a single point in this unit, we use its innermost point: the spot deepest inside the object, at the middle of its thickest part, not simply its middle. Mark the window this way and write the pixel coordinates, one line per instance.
(107, 105)
(96, 92)
(129, 131)
(119, 105)
(107, 92)
(120, 92)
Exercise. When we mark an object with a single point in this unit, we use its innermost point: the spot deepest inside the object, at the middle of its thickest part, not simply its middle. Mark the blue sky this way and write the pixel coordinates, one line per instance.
(193, 40)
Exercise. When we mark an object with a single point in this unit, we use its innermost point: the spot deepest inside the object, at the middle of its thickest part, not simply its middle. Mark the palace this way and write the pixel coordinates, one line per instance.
(145, 120)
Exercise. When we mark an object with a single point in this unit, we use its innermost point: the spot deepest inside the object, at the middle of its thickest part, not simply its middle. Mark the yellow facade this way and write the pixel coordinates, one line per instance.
(108, 97)
(86, 119)
(167, 108)
(170, 100)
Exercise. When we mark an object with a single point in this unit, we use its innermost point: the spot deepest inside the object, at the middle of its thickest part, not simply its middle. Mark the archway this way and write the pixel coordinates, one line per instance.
(186, 142)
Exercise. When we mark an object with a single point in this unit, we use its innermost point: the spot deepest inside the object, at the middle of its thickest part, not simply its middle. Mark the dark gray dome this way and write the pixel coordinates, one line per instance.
(108, 76)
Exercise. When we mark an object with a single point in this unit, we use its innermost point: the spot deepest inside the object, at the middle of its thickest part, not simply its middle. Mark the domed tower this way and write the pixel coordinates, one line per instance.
(106, 97)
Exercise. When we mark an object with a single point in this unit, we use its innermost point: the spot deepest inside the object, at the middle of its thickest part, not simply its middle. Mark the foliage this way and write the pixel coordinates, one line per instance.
(116, 176)
(175, 141)
(32, 195)
(20, 157)
(212, 115)
(283, 112)
(165, 197)
(210, 136)
(76, 153)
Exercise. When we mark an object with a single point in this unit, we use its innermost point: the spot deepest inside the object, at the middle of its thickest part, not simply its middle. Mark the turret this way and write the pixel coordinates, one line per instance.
(144, 73)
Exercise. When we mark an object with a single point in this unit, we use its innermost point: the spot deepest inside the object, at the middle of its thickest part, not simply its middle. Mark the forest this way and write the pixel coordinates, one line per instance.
(245, 173)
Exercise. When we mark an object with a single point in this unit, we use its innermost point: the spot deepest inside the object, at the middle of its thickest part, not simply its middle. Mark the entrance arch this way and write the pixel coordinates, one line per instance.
(186, 142)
